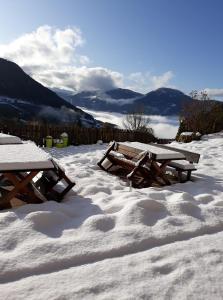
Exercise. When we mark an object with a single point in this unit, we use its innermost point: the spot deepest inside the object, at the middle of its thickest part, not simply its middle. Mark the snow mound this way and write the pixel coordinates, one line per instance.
(100, 222)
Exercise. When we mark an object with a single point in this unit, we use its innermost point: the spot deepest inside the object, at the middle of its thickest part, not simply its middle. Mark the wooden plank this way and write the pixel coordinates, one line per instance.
(190, 156)
(127, 150)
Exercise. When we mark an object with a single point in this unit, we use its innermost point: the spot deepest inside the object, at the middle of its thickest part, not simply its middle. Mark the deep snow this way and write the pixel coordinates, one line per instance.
(106, 241)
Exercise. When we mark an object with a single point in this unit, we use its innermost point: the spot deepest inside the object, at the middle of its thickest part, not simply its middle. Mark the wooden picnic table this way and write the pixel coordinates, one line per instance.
(19, 164)
(145, 163)
(159, 158)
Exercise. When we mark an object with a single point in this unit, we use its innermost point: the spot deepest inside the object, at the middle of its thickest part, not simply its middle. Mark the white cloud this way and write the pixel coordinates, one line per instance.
(214, 93)
(84, 60)
(162, 80)
(164, 127)
(145, 82)
(80, 78)
(50, 55)
(46, 47)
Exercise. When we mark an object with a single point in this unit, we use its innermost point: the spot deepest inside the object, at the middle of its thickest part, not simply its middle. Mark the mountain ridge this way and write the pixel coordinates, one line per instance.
(162, 101)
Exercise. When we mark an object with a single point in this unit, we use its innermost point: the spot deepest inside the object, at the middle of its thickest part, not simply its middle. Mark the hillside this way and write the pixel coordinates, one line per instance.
(24, 98)
(163, 101)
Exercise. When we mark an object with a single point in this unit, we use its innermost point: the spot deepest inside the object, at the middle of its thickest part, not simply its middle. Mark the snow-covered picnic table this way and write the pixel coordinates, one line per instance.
(19, 164)
(26, 156)
(157, 152)
(149, 160)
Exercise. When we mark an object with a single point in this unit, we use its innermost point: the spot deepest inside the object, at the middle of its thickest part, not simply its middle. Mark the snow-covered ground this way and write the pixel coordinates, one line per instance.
(106, 241)
(165, 127)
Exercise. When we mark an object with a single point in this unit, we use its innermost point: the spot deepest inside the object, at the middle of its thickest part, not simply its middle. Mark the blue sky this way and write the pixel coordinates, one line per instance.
(144, 40)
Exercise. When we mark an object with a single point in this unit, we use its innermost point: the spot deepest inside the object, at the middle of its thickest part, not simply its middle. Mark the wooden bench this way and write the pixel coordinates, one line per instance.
(47, 182)
(134, 161)
(183, 166)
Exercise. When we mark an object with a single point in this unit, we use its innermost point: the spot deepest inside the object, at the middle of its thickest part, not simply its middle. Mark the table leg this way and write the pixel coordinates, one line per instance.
(19, 186)
(160, 170)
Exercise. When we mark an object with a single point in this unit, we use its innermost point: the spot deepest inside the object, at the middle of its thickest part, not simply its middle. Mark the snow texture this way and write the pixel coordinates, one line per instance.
(186, 133)
(107, 241)
(159, 152)
(9, 139)
(23, 156)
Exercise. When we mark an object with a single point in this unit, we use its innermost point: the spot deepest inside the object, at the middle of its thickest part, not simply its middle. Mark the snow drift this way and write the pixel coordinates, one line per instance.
(107, 242)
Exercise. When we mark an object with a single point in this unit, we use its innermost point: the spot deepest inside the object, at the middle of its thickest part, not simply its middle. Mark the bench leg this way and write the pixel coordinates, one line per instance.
(159, 171)
(105, 156)
(138, 167)
(180, 177)
(188, 175)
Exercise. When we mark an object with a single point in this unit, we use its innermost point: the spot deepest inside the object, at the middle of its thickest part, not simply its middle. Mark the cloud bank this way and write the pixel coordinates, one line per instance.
(214, 93)
(51, 56)
(164, 127)
(146, 81)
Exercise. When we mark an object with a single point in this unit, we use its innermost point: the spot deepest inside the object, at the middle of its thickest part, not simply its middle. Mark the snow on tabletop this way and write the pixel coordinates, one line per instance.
(22, 156)
(160, 153)
(9, 139)
(105, 241)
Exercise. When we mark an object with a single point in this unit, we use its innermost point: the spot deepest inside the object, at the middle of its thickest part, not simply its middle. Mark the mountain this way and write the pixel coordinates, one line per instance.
(163, 101)
(24, 98)
(119, 93)
(112, 100)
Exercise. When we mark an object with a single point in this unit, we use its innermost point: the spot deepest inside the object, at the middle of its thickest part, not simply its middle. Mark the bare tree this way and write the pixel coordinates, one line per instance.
(202, 95)
(201, 114)
(137, 121)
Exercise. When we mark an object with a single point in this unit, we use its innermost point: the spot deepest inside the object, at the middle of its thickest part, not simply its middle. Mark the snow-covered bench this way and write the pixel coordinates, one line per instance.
(183, 166)
(133, 160)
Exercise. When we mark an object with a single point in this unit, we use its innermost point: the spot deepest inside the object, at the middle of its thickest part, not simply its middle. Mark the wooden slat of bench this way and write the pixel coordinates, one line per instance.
(181, 166)
(125, 163)
(136, 168)
(127, 151)
(190, 156)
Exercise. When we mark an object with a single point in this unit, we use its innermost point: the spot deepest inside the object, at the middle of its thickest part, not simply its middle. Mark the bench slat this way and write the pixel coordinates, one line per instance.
(183, 166)
(128, 151)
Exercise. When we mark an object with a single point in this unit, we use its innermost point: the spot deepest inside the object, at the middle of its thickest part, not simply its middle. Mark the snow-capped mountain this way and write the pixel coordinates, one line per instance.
(163, 101)
(112, 100)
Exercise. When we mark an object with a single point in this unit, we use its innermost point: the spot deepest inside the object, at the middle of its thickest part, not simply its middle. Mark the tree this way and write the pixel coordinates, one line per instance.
(137, 121)
(201, 114)
(202, 95)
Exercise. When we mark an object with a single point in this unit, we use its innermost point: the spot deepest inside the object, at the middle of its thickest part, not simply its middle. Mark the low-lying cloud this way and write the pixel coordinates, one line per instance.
(214, 93)
(165, 127)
